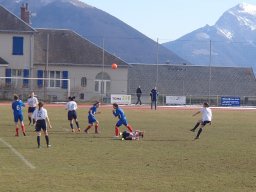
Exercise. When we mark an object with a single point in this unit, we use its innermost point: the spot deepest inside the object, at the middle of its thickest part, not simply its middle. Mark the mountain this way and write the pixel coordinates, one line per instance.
(230, 42)
(97, 26)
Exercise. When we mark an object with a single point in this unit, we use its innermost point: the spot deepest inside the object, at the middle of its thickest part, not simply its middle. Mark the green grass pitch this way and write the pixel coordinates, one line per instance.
(167, 159)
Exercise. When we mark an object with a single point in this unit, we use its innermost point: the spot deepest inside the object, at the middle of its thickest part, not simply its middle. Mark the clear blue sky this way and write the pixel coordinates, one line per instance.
(166, 19)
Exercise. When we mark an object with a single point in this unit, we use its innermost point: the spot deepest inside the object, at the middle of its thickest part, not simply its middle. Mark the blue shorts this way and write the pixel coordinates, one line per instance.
(31, 109)
(18, 117)
(91, 119)
(121, 122)
(40, 124)
(72, 115)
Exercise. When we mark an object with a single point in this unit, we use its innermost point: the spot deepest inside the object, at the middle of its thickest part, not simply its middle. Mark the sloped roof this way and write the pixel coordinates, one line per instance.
(68, 48)
(3, 62)
(193, 80)
(10, 22)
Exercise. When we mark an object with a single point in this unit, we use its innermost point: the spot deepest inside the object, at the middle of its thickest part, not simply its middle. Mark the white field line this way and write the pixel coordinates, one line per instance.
(18, 154)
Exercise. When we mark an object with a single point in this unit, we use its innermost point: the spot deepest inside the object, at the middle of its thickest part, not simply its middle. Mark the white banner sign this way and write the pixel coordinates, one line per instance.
(176, 100)
(121, 99)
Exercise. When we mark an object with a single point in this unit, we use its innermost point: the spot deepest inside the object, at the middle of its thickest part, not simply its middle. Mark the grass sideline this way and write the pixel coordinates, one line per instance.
(167, 159)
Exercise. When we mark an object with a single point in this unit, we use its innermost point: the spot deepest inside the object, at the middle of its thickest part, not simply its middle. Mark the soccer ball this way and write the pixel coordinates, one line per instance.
(114, 66)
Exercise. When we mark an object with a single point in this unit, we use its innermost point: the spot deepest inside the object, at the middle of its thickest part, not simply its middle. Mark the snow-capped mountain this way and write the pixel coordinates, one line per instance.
(230, 42)
(97, 26)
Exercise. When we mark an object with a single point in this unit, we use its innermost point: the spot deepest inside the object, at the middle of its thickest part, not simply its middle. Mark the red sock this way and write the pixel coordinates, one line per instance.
(17, 131)
(89, 127)
(129, 127)
(96, 128)
(23, 128)
(117, 131)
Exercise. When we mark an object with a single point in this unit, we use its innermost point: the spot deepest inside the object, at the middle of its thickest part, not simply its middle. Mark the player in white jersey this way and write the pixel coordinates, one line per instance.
(71, 106)
(206, 119)
(32, 103)
(40, 115)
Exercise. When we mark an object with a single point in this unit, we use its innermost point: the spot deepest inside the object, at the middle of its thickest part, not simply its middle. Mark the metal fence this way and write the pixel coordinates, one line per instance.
(213, 100)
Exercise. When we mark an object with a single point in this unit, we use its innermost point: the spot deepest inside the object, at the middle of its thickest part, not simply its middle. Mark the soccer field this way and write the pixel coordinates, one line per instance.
(167, 159)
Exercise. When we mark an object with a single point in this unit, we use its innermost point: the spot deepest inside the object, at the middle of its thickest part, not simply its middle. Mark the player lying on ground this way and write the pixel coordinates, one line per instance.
(136, 135)
(206, 119)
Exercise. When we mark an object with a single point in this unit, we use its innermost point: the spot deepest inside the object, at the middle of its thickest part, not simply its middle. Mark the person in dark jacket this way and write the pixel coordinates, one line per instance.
(153, 95)
(138, 93)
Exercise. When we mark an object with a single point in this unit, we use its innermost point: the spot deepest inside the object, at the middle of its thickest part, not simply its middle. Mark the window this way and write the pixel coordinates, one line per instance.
(54, 76)
(81, 96)
(102, 83)
(17, 45)
(83, 82)
(16, 73)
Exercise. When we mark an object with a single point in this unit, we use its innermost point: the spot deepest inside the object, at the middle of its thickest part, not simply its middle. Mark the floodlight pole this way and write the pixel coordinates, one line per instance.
(103, 69)
(157, 61)
(210, 73)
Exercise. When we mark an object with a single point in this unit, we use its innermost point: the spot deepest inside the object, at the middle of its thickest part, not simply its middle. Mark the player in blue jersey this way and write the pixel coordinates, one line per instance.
(118, 112)
(92, 119)
(17, 106)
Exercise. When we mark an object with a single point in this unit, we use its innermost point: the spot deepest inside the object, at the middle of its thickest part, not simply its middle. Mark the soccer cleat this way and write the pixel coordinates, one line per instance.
(16, 135)
(193, 130)
(115, 137)
(196, 138)
(78, 129)
(85, 131)
(73, 130)
(48, 146)
(24, 133)
(38, 146)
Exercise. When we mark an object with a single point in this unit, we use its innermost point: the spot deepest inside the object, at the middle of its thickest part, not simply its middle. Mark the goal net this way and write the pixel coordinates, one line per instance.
(46, 89)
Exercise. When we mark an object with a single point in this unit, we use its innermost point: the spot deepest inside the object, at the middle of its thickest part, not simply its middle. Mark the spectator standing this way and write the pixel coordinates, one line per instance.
(154, 95)
(138, 93)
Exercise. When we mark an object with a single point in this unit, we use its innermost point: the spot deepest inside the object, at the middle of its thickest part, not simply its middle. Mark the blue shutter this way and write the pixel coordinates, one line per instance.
(17, 45)
(8, 73)
(40, 74)
(25, 74)
(64, 82)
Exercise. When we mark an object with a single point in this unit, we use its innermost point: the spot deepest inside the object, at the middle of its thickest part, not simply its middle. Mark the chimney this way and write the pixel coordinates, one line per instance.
(24, 13)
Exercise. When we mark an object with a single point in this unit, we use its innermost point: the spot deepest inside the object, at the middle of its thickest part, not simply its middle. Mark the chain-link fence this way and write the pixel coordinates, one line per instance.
(213, 100)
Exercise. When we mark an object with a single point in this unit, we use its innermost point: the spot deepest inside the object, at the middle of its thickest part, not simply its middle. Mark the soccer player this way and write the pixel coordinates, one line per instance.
(91, 118)
(206, 119)
(136, 135)
(32, 103)
(118, 112)
(72, 107)
(17, 106)
(40, 115)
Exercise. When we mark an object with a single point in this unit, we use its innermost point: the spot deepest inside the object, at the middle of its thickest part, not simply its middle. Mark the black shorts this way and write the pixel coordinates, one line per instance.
(205, 122)
(72, 115)
(31, 109)
(40, 124)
